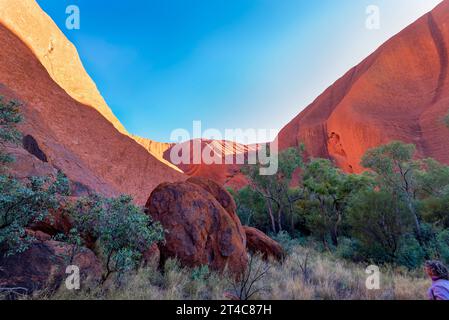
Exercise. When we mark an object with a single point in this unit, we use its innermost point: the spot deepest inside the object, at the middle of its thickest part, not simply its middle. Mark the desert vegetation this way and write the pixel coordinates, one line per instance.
(326, 277)
(332, 225)
(393, 214)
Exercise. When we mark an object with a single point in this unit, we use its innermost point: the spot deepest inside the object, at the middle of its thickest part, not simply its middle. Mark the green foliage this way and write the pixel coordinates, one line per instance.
(398, 173)
(122, 230)
(200, 273)
(329, 191)
(25, 203)
(443, 245)
(276, 190)
(288, 242)
(251, 208)
(378, 221)
(9, 118)
(410, 253)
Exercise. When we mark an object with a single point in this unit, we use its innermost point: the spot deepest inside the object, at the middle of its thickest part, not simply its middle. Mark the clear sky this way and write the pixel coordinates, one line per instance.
(161, 64)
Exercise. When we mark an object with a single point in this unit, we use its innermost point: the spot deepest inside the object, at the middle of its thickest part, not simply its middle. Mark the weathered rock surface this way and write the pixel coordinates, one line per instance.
(200, 231)
(226, 158)
(67, 124)
(400, 92)
(223, 197)
(44, 265)
(259, 242)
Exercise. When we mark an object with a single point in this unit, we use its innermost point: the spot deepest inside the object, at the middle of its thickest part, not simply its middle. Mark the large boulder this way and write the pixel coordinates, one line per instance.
(259, 242)
(200, 231)
(223, 197)
(44, 265)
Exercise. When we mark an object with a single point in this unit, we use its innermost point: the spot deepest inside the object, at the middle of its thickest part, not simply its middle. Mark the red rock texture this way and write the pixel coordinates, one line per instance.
(200, 231)
(44, 265)
(80, 139)
(224, 198)
(400, 92)
(228, 175)
(259, 242)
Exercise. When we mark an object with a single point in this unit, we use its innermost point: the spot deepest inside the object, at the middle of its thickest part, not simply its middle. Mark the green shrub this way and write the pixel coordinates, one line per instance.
(26, 203)
(122, 230)
(410, 253)
(9, 118)
(443, 245)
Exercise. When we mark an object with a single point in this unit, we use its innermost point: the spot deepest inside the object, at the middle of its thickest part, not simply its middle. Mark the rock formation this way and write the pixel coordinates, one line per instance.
(67, 124)
(259, 242)
(43, 266)
(199, 230)
(400, 92)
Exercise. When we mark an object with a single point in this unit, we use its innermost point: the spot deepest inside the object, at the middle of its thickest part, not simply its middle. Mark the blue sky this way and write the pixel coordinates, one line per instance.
(161, 64)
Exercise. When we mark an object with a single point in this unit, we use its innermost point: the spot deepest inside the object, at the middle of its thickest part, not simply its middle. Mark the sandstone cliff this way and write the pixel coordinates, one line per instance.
(400, 92)
(65, 117)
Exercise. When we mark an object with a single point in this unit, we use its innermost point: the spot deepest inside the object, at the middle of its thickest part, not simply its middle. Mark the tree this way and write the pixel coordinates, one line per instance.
(25, 203)
(121, 229)
(277, 190)
(9, 118)
(378, 220)
(22, 202)
(397, 171)
(251, 208)
(329, 191)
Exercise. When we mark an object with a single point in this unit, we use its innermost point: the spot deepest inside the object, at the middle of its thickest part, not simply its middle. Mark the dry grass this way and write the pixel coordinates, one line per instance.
(323, 277)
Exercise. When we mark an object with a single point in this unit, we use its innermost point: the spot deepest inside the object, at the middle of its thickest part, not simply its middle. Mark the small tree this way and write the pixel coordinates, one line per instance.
(394, 165)
(378, 220)
(122, 230)
(329, 191)
(22, 202)
(9, 118)
(25, 203)
(277, 190)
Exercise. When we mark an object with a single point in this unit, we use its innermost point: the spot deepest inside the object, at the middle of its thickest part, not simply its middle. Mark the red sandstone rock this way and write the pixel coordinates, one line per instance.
(44, 265)
(224, 198)
(400, 92)
(64, 113)
(259, 242)
(200, 231)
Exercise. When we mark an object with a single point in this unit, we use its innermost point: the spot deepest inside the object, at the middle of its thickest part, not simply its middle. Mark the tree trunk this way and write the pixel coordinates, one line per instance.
(270, 212)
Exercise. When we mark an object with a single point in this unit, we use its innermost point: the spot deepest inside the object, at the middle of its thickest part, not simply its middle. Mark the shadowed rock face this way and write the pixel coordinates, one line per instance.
(401, 92)
(43, 266)
(200, 231)
(81, 139)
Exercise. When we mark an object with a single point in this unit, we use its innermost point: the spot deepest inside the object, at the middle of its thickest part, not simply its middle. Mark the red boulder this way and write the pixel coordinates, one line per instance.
(200, 231)
(259, 242)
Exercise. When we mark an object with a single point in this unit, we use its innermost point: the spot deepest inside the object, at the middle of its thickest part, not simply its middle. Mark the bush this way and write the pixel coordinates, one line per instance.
(410, 253)
(121, 229)
(26, 203)
(378, 221)
(9, 118)
(443, 245)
